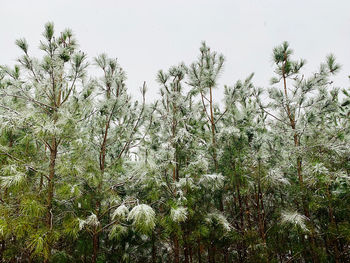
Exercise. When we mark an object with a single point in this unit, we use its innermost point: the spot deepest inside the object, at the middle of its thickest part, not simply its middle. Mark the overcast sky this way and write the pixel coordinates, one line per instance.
(150, 35)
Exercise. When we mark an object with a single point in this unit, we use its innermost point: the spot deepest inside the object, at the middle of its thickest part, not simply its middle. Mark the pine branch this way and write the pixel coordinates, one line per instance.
(24, 164)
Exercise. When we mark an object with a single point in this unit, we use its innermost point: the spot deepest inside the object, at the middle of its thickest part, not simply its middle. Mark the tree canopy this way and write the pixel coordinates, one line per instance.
(89, 174)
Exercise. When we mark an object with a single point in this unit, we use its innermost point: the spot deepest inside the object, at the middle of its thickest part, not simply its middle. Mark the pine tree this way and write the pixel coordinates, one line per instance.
(51, 108)
(88, 174)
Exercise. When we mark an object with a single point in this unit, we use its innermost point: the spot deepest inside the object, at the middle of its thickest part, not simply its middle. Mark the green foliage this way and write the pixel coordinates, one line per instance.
(88, 174)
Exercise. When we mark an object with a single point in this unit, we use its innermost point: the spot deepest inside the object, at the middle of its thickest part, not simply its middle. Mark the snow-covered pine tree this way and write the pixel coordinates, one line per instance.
(87, 174)
(52, 105)
(296, 105)
(112, 133)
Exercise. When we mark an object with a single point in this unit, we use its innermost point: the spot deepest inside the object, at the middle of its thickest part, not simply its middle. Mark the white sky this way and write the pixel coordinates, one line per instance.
(150, 35)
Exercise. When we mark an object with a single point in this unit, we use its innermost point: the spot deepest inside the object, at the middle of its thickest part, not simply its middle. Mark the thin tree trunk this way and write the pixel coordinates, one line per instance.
(190, 250)
(50, 192)
(95, 241)
(199, 256)
(212, 122)
(213, 249)
(225, 252)
(186, 253)
(176, 250)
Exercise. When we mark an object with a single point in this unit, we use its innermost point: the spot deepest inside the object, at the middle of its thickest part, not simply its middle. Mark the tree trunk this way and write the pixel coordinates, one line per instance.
(176, 250)
(225, 252)
(154, 248)
(50, 191)
(199, 256)
(212, 122)
(95, 239)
